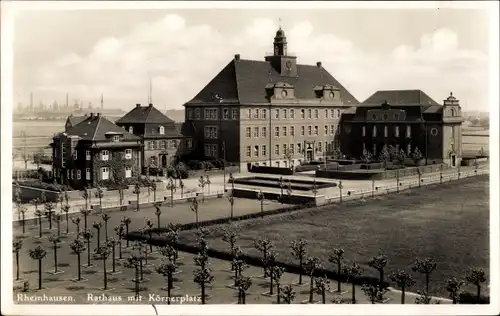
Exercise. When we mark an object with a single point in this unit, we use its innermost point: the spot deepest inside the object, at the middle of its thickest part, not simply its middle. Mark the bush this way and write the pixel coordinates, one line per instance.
(46, 160)
(195, 164)
(469, 298)
(47, 186)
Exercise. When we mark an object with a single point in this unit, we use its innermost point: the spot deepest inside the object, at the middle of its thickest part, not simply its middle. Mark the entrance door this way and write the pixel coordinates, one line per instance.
(309, 155)
(453, 160)
(164, 161)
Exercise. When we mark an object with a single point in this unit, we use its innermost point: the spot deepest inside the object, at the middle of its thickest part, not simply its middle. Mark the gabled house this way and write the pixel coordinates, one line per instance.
(95, 152)
(162, 141)
(74, 120)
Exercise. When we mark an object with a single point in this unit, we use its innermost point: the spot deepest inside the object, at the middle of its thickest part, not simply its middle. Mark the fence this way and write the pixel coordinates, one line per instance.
(403, 185)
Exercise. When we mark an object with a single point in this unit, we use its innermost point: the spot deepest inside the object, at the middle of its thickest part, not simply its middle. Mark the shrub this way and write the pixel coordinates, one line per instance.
(195, 164)
(469, 298)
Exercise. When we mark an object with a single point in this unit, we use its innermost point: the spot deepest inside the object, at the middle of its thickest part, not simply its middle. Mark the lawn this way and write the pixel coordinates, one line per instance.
(449, 222)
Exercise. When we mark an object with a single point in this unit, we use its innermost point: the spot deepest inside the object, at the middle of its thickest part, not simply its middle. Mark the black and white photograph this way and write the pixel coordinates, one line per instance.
(168, 155)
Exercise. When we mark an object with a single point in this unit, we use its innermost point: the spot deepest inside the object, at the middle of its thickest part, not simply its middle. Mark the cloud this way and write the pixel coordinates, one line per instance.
(180, 58)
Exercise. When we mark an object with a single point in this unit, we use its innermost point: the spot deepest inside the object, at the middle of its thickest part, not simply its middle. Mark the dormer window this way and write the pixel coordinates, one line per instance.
(116, 138)
(161, 130)
(131, 130)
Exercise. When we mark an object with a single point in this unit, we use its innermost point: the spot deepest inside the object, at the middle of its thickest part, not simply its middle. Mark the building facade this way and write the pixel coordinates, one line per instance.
(163, 143)
(95, 152)
(273, 112)
(405, 119)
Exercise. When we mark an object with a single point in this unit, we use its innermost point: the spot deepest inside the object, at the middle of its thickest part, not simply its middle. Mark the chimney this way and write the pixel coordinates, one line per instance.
(138, 105)
(318, 64)
(237, 57)
(98, 114)
(91, 114)
(86, 114)
(150, 104)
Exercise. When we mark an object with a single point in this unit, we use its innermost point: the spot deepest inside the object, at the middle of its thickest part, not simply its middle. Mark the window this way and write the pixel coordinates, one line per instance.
(285, 114)
(264, 114)
(309, 114)
(248, 151)
(128, 153)
(256, 114)
(211, 150)
(374, 149)
(104, 155)
(249, 113)
(316, 114)
(276, 131)
(292, 130)
(408, 149)
(87, 155)
(276, 149)
(292, 114)
(197, 114)
(87, 173)
(256, 132)
(152, 145)
(116, 138)
(104, 173)
(78, 174)
(396, 131)
(189, 143)
(225, 114)
(248, 132)
(72, 173)
(161, 130)
(302, 130)
(277, 114)
(128, 172)
(316, 132)
(190, 114)
(131, 130)
(326, 113)
(263, 149)
(292, 149)
(234, 114)
(75, 154)
(320, 146)
(302, 114)
(363, 131)
(332, 129)
(284, 149)
(385, 131)
(256, 151)
(326, 129)
(332, 113)
(263, 131)
(284, 131)
(338, 113)
(67, 174)
(299, 148)
(277, 163)
(452, 111)
(374, 132)
(309, 130)
(211, 132)
(163, 144)
(408, 131)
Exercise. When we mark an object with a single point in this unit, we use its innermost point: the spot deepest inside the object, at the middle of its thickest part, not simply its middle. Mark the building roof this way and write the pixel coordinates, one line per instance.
(95, 128)
(74, 120)
(144, 114)
(400, 98)
(244, 81)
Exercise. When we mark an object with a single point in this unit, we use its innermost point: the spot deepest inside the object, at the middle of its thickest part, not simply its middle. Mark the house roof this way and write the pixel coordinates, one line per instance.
(74, 120)
(244, 81)
(144, 114)
(95, 128)
(400, 98)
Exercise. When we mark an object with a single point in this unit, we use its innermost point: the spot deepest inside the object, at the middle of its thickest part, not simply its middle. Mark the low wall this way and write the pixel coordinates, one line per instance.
(272, 170)
(288, 199)
(367, 174)
(213, 172)
(28, 193)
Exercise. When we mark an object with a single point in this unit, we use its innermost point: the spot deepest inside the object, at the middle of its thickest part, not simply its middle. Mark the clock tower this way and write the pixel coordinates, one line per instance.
(281, 61)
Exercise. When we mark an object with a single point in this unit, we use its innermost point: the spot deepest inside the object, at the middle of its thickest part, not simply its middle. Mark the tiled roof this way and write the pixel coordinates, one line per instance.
(144, 114)
(244, 81)
(74, 120)
(94, 128)
(400, 98)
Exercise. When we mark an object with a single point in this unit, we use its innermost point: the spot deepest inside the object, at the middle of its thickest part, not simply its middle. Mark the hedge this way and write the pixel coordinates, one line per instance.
(46, 186)
(469, 298)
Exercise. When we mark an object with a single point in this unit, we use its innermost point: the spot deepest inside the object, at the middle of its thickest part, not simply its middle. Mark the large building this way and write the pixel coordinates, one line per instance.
(274, 112)
(405, 119)
(163, 144)
(95, 152)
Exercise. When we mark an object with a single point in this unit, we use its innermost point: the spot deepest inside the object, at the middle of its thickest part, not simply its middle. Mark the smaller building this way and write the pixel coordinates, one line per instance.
(163, 144)
(405, 119)
(95, 152)
(74, 120)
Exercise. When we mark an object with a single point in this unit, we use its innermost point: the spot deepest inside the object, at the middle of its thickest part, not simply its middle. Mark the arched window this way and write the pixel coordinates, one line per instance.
(131, 130)
(161, 130)
(452, 111)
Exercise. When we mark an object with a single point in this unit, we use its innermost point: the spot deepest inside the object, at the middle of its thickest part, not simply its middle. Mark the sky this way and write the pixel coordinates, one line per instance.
(118, 52)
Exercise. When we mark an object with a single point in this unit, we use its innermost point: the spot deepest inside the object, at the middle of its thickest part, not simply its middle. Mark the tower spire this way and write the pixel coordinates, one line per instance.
(102, 101)
(279, 23)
